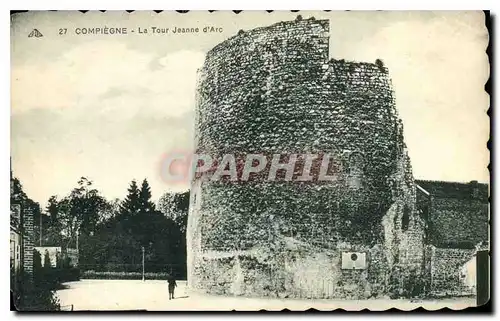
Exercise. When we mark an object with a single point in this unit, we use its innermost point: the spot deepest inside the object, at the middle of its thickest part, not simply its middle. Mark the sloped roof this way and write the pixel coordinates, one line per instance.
(465, 191)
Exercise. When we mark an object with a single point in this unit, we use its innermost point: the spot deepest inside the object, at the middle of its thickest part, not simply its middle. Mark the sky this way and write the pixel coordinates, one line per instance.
(108, 107)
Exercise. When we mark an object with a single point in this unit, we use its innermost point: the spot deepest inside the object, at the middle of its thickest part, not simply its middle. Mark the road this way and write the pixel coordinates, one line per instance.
(152, 295)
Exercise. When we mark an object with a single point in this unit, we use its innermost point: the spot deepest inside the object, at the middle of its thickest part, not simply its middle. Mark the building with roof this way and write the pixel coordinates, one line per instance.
(21, 237)
(457, 226)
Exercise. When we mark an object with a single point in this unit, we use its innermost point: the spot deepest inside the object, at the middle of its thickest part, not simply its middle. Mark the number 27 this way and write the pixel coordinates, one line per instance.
(62, 31)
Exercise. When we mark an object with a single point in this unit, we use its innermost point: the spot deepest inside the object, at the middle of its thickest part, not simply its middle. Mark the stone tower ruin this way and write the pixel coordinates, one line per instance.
(275, 90)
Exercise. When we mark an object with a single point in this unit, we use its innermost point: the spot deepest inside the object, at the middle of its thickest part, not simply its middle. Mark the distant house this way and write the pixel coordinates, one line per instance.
(457, 219)
(21, 237)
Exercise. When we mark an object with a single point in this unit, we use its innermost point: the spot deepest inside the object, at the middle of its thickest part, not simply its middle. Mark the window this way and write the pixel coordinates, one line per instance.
(356, 164)
(405, 220)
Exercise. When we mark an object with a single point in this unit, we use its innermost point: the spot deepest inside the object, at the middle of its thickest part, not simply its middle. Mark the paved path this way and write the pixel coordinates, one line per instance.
(152, 295)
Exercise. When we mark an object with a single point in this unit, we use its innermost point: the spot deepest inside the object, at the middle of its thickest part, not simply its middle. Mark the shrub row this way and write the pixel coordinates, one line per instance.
(53, 277)
(124, 275)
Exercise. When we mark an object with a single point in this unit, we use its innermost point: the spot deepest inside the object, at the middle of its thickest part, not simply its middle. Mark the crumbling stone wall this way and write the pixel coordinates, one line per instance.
(275, 90)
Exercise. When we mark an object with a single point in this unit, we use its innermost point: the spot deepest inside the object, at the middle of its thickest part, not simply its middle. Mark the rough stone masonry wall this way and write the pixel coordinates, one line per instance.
(445, 267)
(459, 213)
(457, 221)
(274, 90)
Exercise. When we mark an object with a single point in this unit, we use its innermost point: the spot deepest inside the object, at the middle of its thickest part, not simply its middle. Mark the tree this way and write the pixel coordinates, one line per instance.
(68, 220)
(174, 205)
(79, 212)
(18, 196)
(30, 205)
(145, 203)
(46, 260)
(53, 208)
(110, 210)
(87, 205)
(113, 232)
(123, 229)
(129, 209)
(146, 223)
(130, 206)
(166, 205)
(51, 224)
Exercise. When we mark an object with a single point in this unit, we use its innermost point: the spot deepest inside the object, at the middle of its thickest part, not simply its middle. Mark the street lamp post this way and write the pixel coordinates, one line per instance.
(143, 263)
(40, 229)
(77, 239)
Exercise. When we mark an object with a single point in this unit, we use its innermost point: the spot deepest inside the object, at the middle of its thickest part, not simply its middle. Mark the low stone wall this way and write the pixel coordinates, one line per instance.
(302, 271)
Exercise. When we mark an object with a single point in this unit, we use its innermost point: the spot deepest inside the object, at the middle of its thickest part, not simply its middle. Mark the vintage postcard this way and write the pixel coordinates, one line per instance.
(216, 161)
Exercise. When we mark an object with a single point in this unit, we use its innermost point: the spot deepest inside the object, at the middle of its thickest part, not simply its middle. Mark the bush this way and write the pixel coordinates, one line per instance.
(36, 292)
(65, 271)
(123, 275)
(30, 296)
(68, 274)
(51, 277)
(46, 259)
(39, 299)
